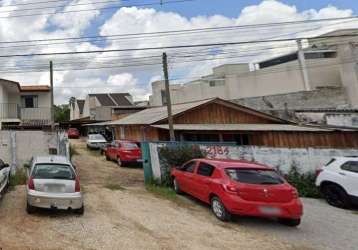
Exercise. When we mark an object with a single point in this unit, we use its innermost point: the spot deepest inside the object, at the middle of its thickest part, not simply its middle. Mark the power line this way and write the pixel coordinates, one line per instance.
(95, 9)
(185, 30)
(173, 46)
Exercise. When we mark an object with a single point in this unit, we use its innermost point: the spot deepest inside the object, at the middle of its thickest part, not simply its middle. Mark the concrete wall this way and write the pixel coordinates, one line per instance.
(27, 144)
(306, 159)
(235, 81)
(328, 98)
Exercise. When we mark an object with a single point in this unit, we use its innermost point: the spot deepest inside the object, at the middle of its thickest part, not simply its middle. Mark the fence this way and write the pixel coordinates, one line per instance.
(17, 147)
(305, 159)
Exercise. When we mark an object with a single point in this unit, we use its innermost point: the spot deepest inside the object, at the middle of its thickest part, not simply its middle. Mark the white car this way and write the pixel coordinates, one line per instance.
(338, 181)
(4, 176)
(96, 141)
(53, 184)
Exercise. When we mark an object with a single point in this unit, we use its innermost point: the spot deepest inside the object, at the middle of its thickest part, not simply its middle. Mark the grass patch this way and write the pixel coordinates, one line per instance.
(161, 191)
(19, 178)
(355, 212)
(114, 187)
(73, 151)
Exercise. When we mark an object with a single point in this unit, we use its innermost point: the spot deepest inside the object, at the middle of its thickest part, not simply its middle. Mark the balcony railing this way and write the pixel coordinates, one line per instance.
(14, 111)
(9, 111)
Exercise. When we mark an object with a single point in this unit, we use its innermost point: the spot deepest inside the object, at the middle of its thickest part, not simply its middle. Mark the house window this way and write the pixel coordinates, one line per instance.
(29, 101)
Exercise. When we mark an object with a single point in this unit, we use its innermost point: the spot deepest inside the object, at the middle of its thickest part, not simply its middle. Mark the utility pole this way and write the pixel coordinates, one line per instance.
(52, 98)
(167, 97)
(303, 67)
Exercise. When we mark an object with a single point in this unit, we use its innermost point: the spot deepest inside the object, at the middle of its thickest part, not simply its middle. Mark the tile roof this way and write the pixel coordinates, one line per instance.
(35, 88)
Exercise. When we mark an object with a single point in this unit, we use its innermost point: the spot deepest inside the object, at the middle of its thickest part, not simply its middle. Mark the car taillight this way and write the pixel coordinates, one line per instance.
(31, 184)
(77, 185)
(230, 189)
(318, 171)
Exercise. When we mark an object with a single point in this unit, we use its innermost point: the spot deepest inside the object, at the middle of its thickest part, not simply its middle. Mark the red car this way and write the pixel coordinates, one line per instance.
(124, 152)
(240, 188)
(73, 133)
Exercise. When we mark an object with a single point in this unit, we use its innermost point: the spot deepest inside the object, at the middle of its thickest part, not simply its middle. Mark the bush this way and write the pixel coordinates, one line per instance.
(173, 155)
(18, 179)
(304, 183)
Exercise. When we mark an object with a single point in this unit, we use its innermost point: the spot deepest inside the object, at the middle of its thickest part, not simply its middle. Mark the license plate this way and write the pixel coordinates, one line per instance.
(139, 160)
(270, 210)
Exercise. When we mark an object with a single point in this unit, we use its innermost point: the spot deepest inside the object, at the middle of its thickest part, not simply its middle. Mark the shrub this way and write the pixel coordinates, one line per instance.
(173, 155)
(304, 182)
(19, 178)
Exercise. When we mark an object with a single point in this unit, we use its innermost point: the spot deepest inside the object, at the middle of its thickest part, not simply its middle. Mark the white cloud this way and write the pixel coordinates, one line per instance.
(143, 20)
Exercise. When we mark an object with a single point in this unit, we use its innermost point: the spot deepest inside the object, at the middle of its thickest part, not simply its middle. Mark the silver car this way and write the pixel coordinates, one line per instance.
(53, 183)
(96, 141)
(4, 176)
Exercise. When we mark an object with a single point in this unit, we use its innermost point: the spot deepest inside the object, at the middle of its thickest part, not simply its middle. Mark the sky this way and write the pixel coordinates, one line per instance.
(121, 71)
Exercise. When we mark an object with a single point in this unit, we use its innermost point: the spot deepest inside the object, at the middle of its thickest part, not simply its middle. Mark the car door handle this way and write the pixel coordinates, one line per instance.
(341, 173)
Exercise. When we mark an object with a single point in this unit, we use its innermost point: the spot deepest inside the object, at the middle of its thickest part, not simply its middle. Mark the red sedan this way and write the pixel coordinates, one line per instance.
(239, 187)
(73, 133)
(124, 152)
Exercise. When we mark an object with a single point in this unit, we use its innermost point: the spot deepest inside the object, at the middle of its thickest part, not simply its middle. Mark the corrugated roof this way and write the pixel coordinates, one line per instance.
(121, 99)
(152, 115)
(242, 127)
(113, 99)
(104, 99)
(34, 88)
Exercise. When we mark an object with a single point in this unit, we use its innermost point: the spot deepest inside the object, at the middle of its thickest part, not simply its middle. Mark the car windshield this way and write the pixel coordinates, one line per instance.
(53, 171)
(254, 176)
(96, 137)
(129, 145)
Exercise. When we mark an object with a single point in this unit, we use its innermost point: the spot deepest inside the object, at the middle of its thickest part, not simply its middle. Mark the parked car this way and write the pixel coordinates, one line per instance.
(124, 152)
(95, 141)
(4, 176)
(240, 188)
(338, 181)
(53, 184)
(73, 133)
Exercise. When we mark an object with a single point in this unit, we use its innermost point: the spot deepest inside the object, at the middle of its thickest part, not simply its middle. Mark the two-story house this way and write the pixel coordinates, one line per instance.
(29, 104)
(103, 107)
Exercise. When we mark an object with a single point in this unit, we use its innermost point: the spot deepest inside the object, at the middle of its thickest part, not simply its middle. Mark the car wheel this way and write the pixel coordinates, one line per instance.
(80, 211)
(290, 222)
(30, 209)
(219, 209)
(107, 158)
(336, 196)
(176, 187)
(7, 182)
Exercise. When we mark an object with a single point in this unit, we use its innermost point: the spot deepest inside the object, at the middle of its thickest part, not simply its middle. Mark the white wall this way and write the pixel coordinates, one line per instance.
(305, 159)
(28, 144)
(239, 82)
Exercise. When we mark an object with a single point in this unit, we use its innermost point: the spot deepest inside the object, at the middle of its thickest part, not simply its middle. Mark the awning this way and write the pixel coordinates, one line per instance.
(241, 127)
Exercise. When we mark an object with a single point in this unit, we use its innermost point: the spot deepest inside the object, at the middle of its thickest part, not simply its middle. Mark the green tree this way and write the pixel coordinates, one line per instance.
(62, 113)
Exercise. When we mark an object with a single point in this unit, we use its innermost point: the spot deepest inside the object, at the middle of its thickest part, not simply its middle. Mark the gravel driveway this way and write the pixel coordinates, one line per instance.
(132, 218)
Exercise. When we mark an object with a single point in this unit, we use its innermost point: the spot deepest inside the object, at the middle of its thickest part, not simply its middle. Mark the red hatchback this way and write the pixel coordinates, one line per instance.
(73, 133)
(124, 152)
(239, 187)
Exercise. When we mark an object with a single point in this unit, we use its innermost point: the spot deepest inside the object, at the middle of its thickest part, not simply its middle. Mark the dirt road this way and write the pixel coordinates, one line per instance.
(130, 218)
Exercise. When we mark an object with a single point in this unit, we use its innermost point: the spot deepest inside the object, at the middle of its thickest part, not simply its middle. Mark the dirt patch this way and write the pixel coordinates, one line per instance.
(131, 218)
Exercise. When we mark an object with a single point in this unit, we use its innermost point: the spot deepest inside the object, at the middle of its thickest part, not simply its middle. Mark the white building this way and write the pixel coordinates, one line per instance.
(24, 104)
(329, 62)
